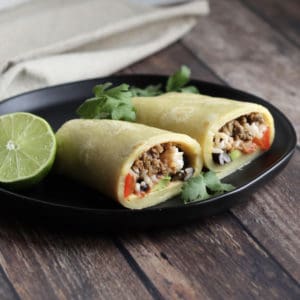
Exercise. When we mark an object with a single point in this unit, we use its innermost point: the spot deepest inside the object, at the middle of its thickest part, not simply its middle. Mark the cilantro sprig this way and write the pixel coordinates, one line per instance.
(148, 91)
(108, 103)
(115, 102)
(179, 80)
(203, 186)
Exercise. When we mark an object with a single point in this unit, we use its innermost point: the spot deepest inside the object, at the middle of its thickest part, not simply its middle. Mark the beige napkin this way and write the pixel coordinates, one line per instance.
(55, 41)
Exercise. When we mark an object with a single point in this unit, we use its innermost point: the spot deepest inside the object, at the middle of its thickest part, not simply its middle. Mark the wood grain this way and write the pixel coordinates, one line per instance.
(284, 16)
(46, 265)
(213, 259)
(245, 51)
(7, 291)
(273, 216)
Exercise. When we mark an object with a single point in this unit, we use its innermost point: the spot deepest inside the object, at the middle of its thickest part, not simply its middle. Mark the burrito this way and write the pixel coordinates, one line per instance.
(231, 133)
(137, 165)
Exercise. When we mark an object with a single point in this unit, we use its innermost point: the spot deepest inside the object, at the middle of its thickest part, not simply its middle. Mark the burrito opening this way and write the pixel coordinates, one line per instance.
(156, 168)
(241, 136)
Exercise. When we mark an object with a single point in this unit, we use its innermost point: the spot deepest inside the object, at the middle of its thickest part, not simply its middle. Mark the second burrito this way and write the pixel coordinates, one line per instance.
(137, 165)
(231, 133)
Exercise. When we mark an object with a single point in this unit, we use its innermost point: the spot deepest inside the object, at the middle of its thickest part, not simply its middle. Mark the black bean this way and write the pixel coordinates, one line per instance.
(216, 157)
(178, 176)
(144, 186)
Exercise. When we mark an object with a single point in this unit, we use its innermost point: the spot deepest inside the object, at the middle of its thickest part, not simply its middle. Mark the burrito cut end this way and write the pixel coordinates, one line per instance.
(239, 140)
(157, 173)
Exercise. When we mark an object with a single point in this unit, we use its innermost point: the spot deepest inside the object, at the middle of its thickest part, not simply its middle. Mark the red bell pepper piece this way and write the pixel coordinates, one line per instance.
(129, 185)
(264, 142)
(249, 148)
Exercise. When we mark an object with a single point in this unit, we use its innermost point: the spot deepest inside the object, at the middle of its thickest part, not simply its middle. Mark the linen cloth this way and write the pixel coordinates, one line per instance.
(55, 41)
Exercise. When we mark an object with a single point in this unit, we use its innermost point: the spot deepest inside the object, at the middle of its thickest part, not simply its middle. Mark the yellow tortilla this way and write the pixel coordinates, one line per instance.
(100, 154)
(200, 117)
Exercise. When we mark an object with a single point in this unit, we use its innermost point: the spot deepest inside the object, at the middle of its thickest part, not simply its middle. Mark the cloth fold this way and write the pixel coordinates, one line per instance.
(52, 42)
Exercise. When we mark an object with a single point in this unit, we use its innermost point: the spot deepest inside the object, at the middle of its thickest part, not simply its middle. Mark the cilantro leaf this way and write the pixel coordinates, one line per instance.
(109, 103)
(148, 91)
(194, 189)
(177, 81)
(214, 184)
(189, 89)
(120, 92)
(99, 90)
(123, 112)
(203, 186)
(90, 108)
(115, 102)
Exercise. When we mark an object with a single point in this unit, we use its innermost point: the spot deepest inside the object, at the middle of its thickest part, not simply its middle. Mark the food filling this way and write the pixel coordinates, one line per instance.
(156, 168)
(243, 135)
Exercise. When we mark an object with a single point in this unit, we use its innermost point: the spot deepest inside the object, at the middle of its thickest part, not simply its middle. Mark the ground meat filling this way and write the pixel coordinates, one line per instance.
(157, 163)
(238, 135)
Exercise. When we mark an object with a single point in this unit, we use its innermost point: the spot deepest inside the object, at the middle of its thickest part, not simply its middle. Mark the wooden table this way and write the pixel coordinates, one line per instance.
(249, 252)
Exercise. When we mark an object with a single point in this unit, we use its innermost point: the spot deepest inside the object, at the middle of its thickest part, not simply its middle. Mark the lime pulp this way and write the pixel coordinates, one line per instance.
(27, 149)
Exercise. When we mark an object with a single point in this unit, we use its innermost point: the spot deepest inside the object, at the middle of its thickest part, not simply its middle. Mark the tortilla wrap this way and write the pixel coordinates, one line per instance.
(100, 154)
(200, 117)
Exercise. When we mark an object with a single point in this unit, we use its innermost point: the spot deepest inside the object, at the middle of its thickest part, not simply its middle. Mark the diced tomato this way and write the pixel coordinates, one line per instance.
(264, 142)
(249, 148)
(129, 185)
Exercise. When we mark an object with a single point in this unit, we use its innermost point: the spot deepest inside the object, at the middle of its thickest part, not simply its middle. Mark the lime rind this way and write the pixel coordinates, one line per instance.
(34, 147)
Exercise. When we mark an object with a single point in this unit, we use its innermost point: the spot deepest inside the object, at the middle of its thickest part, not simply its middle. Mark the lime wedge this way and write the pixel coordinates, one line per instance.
(27, 150)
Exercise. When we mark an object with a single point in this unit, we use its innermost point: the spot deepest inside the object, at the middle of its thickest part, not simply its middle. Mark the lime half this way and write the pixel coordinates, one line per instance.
(27, 149)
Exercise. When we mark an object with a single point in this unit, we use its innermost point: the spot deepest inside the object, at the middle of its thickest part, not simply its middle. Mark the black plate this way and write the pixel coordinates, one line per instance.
(58, 199)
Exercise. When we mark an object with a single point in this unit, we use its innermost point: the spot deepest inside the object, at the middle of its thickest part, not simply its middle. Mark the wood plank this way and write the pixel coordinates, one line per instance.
(213, 259)
(284, 16)
(246, 52)
(273, 216)
(47, 265)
